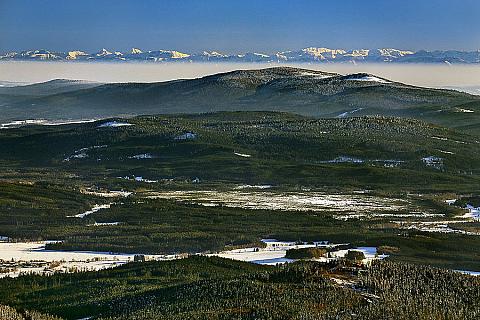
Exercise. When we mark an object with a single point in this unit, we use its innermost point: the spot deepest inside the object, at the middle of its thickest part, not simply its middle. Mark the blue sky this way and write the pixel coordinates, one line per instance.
(237, 26)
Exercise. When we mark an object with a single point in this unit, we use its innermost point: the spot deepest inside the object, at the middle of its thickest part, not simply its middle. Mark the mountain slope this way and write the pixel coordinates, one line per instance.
(302, 91)
(47, 88)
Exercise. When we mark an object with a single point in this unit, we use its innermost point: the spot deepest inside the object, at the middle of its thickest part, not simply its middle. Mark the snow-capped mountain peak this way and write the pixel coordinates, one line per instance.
(179, 55)
(103, 52)
(308, 54)
(136, 51)
(74, 55)
(323, 53)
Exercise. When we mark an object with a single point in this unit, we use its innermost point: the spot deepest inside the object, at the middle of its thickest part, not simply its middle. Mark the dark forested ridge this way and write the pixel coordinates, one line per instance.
(214, 288)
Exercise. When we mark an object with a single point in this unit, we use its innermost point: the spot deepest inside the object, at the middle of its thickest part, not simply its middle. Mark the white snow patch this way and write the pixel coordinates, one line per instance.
(141, 179)
(248, 186)
(465, 110)
(433, 161)
(95, 209)
(142, 156)
(42, 122)
(446, 152)
(186, 136)
(82, 153)
(108, 194)
(256, 255)
(114, 124)
(370, 79)
(471, 273)
(244, 155)
(138, 179)
(345, 114)
(99, 224)
(439, 138)
(387, 215)
(473, 213)
(438, 227)
(343, 159)
(315, 75)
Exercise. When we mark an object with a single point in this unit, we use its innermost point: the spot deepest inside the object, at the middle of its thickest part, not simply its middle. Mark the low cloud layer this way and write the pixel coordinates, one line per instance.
(415, 74)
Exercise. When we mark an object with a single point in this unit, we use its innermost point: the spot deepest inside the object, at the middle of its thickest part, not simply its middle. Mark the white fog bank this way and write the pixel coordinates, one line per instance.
(438, 76)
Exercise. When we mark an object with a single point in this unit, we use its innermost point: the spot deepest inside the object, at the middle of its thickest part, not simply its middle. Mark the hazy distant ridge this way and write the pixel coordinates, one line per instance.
(300, 91)
(311, 54)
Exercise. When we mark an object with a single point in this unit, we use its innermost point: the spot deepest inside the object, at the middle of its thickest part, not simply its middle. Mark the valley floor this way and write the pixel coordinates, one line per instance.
(174, 217)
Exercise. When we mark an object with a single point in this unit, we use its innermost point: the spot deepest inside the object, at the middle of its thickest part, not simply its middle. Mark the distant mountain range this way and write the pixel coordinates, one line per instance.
(308, 55)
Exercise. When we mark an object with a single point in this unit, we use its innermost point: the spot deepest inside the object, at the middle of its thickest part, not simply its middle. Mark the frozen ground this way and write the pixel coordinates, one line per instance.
(95, 208)
(437, 226)
(83, 152)
(248, 186)
(32, 257)
(107, 194)
(114, 124)
(342, 205)
(472, 273)
(18, 258)
(268, 257)
(345, 114)
(473, 213)
(444, 226)
(142, 156)
(138, 179)
(370, 79)
(243, 155)
(21, 123)
(275, 254)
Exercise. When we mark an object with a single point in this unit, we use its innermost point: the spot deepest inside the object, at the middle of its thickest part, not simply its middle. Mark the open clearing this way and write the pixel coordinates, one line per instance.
(18, 258)
(342, 205)
(275, 251)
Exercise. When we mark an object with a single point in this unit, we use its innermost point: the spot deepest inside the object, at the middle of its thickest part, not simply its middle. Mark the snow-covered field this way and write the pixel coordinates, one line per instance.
(32, 257)
(21, 123)
(472, 273)
(275, 254)
(268, 257)
(444, 226)
(437, 226)
(473, 213)
(18, 258)
(357, 205)
(108, 194)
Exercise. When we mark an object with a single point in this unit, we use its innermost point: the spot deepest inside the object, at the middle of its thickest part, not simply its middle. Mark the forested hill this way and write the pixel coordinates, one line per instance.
(301, 91)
